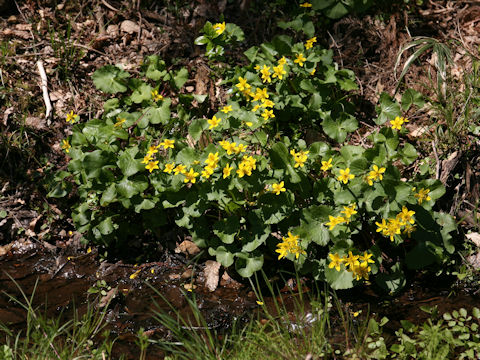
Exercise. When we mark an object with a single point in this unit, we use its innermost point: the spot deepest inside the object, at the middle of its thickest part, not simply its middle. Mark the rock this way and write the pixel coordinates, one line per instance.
(129, 27)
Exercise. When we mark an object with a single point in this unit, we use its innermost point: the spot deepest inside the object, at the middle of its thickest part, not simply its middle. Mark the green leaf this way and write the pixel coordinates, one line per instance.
(201, 40)
(108, 195)
(392, 282)
(146, 204)
(338, 130)
(408, 154)
(110, 79)
(94, 161)
(223, 256)
(389, 109)
(337, 11)
(180, 78)
(281, 160)
(339, 280)
(141, 91)
(106, 226)
(226, 229)
(196, 128)
(412, 97)
(313, 231)
(127, 162)
(159, 115)
(246, 266)
(155, 68)
(186, 156)
(420, 256)
(128, 188)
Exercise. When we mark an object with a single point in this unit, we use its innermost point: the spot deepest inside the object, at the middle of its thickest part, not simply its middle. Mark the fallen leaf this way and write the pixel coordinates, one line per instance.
(5, 249)
(211, 272)
(474, 237)
(105, 300)
(187, 247)
(129, 27)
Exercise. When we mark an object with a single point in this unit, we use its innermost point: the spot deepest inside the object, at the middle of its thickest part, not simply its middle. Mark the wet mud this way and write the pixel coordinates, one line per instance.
(132, 295)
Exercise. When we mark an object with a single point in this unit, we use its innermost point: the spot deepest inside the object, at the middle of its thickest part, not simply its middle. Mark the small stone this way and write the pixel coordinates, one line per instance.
(129, 27)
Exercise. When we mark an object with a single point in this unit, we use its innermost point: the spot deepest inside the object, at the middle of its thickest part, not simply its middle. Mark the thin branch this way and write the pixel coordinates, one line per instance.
(46, 97)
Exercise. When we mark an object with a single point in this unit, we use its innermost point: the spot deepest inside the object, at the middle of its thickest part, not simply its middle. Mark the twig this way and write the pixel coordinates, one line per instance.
(437, 166)
(46, 97)
(109, 6)
(89, 48)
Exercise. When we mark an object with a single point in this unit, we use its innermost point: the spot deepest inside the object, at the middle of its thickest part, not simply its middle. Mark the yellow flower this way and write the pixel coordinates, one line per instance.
(267, 114)
(409, 229)
(207, 172)
(349, 211)
(268, 103)
(239, 149)
(282, 61)
(335, 261)
(256, 107)
(306, 5)
(393, 228)
(360, 271)
(300, 157)
(265, 71)
(190, 176)
(278, 71)
(227, 170)
(260, 94)
(423, 195)
(71, 117)
(242, 84)
(214, 122)
(152, 150)
(156, 96)
(257, 67)
(300, 59)
(351, 260)
(147, 158)
(180, 169)
(227, 109)
(376, 173)
(278, 188)
(152, 165)
(313, 71)
(66, 146)
(119, 122)
(326, 164)
(228, 147)
(398, 122)
(169, 168)
(212, 159)
(309, 43)
(366, 258)
(219, 28)
(167, 143)
(345, 175)
(381, 227)
(289, 245)
(406, 216)
(334, 221)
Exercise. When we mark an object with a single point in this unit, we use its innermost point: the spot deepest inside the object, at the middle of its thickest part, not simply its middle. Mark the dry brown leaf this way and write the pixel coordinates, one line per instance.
(187, 247)
(129, 27)
(5, 249)
(105, 300)
(211, 272)
(474, 237)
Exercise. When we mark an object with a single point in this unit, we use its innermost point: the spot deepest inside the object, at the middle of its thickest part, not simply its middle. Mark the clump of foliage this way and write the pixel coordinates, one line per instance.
(244, 183)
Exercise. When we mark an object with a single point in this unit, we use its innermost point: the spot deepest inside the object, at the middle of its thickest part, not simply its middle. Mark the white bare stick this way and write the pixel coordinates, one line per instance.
(46, 97)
